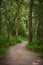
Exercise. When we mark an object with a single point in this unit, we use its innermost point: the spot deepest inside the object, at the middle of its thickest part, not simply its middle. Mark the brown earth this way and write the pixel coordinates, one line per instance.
(18, 55)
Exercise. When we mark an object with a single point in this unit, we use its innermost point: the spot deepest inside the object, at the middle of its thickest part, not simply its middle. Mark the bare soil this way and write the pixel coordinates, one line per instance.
(18, 55)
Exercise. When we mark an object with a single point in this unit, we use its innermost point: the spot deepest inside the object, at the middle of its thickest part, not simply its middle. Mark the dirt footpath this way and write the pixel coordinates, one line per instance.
(18, 55)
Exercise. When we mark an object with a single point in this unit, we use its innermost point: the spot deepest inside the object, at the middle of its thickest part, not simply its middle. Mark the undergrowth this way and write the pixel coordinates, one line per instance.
(35, 47)
(4, 44)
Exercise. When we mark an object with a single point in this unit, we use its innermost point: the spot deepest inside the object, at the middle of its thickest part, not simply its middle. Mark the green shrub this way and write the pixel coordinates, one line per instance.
(36, 48)
(4, 44)
(14, 40)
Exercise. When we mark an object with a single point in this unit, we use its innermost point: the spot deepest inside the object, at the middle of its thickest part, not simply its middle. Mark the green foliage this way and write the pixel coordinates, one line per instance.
(37, 28)
(8, 17)
(35, 48)
(4, 45)
(14, 40)
(9, 13)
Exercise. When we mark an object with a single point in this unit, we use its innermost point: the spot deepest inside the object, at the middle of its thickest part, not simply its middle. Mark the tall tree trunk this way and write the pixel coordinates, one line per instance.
(30, 21)
(40, 25)
(17, 26)
(0, 19)
(0, 22)
(7, 22)
(17, 18)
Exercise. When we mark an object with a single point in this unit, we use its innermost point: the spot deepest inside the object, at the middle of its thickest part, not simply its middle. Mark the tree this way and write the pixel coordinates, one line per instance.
(6, 20)
(40, 23)
(18, 3)
(30, 21)
(0, 17)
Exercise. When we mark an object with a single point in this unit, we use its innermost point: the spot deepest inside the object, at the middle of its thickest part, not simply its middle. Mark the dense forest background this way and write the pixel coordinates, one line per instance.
(21, 20)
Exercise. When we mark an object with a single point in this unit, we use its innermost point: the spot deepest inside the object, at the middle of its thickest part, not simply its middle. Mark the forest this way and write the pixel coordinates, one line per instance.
(21, 20)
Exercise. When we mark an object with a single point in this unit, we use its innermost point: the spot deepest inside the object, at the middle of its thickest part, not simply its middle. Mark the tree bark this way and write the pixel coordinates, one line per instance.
(17, 19)
(7, 22)
(0, 18)
(30, 21)
(40, 24)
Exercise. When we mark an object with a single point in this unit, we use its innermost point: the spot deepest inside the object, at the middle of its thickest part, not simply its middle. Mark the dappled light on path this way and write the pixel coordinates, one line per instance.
(35, 63)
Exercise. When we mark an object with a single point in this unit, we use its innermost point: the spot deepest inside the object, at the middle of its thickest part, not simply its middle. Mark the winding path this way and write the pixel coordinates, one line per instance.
(18, 55)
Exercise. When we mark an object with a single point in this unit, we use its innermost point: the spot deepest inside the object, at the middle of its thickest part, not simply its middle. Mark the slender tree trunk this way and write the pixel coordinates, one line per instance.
(30, 21)
(17, 18)
(17, 26)
(7, 22)
(0, 18)
(0, 23)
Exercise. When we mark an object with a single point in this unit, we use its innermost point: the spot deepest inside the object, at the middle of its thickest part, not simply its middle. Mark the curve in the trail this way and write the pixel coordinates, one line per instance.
(18, 55)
